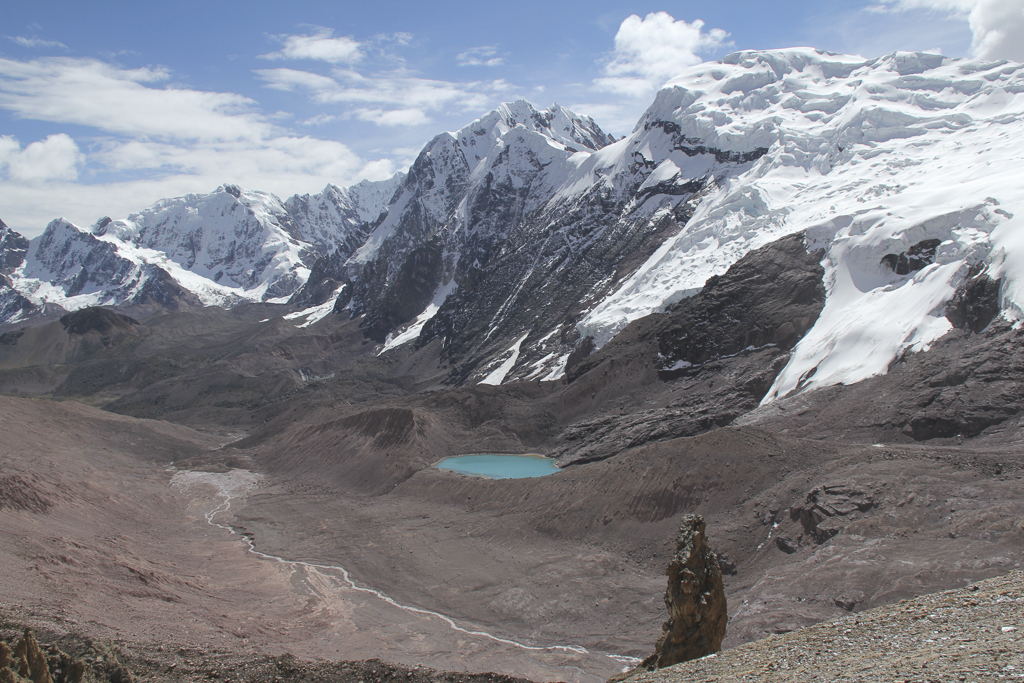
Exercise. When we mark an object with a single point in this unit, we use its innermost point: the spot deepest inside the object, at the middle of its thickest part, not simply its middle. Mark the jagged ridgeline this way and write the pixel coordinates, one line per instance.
(525, 241)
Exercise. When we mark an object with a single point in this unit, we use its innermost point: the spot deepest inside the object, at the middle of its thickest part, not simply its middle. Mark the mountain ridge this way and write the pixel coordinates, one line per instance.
(531, 236)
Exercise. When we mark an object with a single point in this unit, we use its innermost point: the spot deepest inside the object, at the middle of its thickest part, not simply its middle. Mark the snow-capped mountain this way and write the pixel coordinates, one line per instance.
(529, 238)
(13, 305)
(239, 239)
(898, 167)
(409, 261)
(220, 248)
(901, 168)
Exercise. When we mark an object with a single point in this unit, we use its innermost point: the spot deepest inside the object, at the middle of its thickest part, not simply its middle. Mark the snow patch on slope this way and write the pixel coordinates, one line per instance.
(412, 330)
(497, 376)
(315, 314)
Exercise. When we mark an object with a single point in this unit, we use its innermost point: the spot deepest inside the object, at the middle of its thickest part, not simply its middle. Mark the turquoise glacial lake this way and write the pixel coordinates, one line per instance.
(500, 466)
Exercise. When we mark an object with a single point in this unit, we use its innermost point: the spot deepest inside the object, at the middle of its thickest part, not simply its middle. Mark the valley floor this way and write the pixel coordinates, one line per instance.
(542, 578)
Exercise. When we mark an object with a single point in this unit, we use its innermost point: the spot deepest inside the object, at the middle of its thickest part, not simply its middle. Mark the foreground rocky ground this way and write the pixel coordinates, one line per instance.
(970, 634)
(74, 658)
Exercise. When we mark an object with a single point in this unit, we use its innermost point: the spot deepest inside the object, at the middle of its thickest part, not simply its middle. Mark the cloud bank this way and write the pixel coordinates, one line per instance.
(997, 26)
(146, 140)
(651, 51)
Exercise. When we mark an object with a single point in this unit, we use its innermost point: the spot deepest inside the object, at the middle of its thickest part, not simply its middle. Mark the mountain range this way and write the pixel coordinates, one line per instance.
(530, 238)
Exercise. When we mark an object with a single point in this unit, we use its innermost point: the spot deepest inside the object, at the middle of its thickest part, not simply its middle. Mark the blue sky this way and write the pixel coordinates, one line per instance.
(106, 107)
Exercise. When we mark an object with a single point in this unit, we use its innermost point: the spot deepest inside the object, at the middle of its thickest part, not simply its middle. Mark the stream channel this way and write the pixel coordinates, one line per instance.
(212, 494)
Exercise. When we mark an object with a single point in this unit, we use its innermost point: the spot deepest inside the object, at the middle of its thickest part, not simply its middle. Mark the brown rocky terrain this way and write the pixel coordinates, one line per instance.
(71, 658)
(259, 489)
(968, 634)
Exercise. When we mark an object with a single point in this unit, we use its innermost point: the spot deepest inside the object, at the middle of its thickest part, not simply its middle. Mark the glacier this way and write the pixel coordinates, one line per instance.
(869, 158)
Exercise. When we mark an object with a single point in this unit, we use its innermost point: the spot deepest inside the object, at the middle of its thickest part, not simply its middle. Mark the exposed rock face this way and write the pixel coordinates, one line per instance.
(326, 277)
(976, 302)
(695, 599)
(99, 320)
(30, 663)
(159, 288)
(12, 249)
(726, 344)
(914, 259)
(13, 306)
(965, 384)
(827, 502)
(26, 663)
(412, 290)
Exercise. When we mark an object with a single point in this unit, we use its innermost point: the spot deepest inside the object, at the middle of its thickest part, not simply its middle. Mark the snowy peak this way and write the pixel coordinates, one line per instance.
(575, 132)
(753, 100)
(441, 175)
(73, 268)
(883, 162)
(220, 248)
(12, 249)
(370, 198)
(490, 173)
(234, 237)
(319, 215)
(336, 218)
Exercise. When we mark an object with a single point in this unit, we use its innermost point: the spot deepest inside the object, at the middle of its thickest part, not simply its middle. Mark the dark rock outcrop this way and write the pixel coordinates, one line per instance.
(28, 662)
(722, 348)
(326, 277)
(13, 306)
(695, 599)
(913, 259)
(976, 301)
(819, 513)
(12, 249)
(96, 319)
(411, 291)
(163, 290)
(965, 384)
(770, 297)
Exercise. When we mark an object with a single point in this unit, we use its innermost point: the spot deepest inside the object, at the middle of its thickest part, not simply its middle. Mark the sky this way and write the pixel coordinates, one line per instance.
(106, 107)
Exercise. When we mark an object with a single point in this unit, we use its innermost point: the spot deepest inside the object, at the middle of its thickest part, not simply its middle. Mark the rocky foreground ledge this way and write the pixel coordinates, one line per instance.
(44, 656)
(970, 634)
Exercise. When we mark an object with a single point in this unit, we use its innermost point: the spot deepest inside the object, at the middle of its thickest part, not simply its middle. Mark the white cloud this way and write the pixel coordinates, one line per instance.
(319, 46)
(35, 42)
(485, 55)
(155, 141)
(92, 93)
(381, 169)
(997, 26)
(394, 117)
(290, 80)
(650, 51)
(394, 97)
(319, 120)
(399, 37)
(55, 158)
